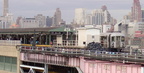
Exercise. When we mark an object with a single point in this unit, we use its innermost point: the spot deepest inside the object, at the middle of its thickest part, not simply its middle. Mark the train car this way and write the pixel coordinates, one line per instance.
(115, 41)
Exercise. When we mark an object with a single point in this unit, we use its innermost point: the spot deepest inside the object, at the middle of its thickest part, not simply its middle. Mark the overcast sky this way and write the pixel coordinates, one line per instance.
(30, 8)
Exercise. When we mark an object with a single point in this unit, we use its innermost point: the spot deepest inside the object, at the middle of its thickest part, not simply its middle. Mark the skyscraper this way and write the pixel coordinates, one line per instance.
(88, 19)
(57, 17)
(104, 7)
(80, 14)
(5, 7)
(143, 15)
(107, 15)
(136, 11)
(49, 21)
(41, 19)
(98, 17)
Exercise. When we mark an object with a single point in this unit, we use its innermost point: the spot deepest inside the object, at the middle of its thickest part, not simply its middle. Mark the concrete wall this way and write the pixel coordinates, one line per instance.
(81, 37)
(5, 72)
(59, 39)
(106, 28)
(10, 51)
(131, 29)
(87, 36)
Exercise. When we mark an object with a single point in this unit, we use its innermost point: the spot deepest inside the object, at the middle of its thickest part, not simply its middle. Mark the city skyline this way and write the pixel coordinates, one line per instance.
(31, 8)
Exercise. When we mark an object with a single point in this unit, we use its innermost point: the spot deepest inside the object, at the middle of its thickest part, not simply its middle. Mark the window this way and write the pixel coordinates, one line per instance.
(84, 43)
(112, 38)
(2, 63)
(122, 39)
(14, 64)
(93, 37)
(8, 63)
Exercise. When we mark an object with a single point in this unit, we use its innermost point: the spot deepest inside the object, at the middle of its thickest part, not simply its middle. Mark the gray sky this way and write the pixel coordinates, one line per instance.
(30, 8)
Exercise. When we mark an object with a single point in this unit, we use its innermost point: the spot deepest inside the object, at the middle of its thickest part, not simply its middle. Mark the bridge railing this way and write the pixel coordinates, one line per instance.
(86, 53)
(65, 43)
(50, 49)
(10, 42)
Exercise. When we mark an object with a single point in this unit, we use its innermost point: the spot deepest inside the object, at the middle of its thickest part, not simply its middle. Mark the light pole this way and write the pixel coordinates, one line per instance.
(67, 30)
(76, 37)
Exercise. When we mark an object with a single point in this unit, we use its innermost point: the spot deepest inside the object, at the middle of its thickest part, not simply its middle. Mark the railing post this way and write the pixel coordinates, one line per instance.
(135, 56)
(89, 52)
(46, 68)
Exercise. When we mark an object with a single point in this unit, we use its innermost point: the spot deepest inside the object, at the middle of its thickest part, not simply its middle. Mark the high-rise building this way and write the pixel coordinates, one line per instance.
(107, 17)
(7, 18)
(101, 16)
(57, 17)
(127, 18)
(136, 11)
(143, 15)
(38, 21)
(41, 19)
(5, 7)
(6, 21)
(88, 19)
(29, 23)
(80, 16)
(18, 20)
(97, 17)
(104, 7)
(49, 21)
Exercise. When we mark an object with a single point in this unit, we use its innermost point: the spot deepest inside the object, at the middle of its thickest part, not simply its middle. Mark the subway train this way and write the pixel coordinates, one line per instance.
(113, 42)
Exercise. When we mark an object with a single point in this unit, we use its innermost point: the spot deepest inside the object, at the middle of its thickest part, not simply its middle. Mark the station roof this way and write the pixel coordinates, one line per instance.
(25, 30)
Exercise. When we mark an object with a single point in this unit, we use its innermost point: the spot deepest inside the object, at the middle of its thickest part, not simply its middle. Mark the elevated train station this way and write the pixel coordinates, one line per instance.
(45, 50)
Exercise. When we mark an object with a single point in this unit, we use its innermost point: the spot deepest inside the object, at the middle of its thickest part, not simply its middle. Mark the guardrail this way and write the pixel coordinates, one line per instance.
(102, 55)
(10, 42)
(65, 43)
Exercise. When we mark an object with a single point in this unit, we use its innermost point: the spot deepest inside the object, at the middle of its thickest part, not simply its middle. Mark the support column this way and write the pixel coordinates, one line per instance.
(31, 71)
(72, 42)
(46, 40)
(106, 41)
(46, 68)
(49, 40)
(71, 37)
(21, 70)
(40, 40)
(24, 39)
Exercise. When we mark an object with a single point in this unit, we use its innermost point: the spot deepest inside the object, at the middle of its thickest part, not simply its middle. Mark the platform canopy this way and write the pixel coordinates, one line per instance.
(26, 30)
